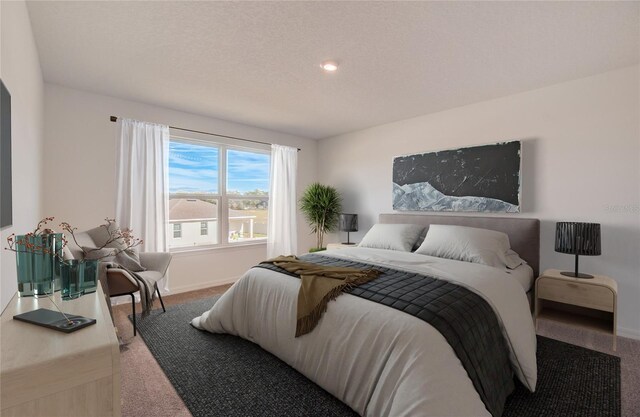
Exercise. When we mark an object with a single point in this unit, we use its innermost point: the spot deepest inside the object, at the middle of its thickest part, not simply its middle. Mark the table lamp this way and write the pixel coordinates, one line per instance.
(348, 223)
(578, 239)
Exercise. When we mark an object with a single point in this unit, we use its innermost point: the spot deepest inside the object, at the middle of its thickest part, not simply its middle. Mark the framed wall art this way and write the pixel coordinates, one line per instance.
(482, 178)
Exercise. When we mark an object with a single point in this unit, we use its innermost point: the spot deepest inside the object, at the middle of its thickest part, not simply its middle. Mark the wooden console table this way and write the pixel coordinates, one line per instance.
(49, 373)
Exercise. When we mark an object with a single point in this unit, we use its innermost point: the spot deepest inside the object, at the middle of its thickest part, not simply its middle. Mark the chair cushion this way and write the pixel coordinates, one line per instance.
(154, 276)
(156, 261)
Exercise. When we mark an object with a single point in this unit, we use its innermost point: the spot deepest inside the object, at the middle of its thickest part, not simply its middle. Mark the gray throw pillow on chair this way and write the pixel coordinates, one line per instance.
(129, 259)
(103, 254)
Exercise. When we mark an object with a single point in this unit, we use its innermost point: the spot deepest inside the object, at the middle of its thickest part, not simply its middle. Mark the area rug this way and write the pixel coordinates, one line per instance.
(223, 375)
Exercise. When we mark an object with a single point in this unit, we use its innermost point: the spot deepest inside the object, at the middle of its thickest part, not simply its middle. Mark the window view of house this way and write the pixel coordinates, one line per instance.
(200, 213)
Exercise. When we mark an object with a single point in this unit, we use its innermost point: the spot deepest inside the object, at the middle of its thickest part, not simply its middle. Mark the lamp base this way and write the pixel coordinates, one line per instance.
(348, 243)
(573, 274)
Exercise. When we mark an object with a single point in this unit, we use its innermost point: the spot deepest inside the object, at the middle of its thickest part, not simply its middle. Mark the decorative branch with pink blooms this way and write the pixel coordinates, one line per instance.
(115, 235)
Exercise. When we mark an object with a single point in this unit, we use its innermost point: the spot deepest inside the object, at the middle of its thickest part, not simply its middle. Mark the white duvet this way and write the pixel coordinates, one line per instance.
(378, 360)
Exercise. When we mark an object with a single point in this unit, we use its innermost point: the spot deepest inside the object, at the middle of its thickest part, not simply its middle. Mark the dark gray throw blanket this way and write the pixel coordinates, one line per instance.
(463, 317)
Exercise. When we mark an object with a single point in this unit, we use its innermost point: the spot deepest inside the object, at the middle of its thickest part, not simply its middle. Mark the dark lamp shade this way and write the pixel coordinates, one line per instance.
(578, 238)
(348, 222)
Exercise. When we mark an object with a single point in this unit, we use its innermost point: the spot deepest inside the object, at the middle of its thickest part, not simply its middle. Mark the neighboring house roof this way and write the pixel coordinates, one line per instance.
(192, 209)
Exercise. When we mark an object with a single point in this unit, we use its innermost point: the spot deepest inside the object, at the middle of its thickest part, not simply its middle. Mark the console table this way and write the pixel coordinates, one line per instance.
(46, 373)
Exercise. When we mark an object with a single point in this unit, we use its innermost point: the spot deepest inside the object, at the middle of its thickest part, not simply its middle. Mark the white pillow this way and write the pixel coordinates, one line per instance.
(470, 244)
(512, 259)
(400, 237)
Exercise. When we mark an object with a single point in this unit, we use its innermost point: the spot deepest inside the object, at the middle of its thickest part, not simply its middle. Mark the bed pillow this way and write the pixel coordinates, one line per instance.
(416, 245)
(512, 259)
(470, 244)
(400, 237)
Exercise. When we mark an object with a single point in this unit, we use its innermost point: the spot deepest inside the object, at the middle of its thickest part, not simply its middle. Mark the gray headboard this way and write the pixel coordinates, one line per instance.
(524, 234)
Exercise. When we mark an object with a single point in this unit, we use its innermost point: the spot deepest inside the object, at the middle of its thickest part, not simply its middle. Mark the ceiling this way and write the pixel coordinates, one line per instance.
(257, 63)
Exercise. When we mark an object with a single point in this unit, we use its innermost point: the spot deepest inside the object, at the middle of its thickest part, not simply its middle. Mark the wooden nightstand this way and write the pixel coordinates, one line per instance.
(589, 303)
(340, 245)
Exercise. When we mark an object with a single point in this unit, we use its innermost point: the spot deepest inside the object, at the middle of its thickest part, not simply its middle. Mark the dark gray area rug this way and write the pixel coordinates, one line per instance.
(223, 375)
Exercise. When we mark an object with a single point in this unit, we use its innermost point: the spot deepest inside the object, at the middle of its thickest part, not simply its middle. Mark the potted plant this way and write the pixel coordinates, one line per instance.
(320, 204)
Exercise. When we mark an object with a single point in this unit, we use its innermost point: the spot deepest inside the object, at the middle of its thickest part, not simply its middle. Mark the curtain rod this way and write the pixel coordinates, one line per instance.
(115, 119)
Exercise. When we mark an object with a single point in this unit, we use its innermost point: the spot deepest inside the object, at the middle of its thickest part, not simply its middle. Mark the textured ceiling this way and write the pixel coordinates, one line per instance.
(258, 62)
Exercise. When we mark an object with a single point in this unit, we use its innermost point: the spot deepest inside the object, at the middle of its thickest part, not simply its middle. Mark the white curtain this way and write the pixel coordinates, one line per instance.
(142, 188)
(282, 229)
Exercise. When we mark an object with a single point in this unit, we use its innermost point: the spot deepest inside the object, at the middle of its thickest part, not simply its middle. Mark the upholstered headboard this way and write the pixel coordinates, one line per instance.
(524, 234)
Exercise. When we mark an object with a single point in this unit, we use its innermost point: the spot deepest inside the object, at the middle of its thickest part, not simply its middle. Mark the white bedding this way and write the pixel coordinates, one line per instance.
(524, 275)
(379, 361)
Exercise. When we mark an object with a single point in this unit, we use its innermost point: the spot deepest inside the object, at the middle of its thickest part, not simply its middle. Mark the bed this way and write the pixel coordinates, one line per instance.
(379, 361)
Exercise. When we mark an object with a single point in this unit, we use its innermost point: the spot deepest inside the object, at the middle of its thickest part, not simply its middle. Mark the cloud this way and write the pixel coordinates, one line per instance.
(194, 168)
(188, 155)
(244, 167)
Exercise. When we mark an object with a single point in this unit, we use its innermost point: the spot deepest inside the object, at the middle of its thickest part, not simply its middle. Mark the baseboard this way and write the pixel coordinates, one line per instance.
(630, 333)
(193, 287)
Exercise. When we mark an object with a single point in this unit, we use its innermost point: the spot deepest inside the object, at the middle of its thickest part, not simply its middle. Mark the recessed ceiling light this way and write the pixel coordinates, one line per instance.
(329, 66)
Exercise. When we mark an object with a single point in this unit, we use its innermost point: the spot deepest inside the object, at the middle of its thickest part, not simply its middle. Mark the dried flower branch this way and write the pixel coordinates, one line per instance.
(41, 223)
(115, 235)
(14, 244)
(123, 235)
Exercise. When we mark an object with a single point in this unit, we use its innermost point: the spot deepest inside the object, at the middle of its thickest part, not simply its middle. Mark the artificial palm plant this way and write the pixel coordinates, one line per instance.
(320, 204)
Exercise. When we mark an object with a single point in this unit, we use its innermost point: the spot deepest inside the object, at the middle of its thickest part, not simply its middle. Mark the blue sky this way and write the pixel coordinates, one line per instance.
(194, 168)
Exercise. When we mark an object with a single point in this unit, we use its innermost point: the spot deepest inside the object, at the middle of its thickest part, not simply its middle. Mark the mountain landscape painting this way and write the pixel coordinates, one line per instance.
(480, 178)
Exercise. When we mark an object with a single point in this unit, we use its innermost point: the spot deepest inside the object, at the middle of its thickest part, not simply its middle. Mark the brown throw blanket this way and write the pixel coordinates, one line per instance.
(319, 285)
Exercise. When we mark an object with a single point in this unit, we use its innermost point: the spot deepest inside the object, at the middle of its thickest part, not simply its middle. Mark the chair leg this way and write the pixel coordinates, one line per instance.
(160, 298)
(133, 307)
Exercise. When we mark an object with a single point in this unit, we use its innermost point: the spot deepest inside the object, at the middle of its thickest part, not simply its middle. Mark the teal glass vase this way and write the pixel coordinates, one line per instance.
(79, 277)
(37, 264)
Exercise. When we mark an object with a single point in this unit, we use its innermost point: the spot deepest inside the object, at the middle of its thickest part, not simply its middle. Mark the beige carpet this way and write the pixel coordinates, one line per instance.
(146, 391)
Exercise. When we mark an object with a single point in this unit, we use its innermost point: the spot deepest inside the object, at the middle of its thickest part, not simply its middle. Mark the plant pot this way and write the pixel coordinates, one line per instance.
(79, 277)
(312, 250)
(37, 267)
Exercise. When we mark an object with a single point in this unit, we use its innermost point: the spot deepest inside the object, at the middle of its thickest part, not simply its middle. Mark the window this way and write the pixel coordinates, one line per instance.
(219, 194)
(248, 183)
(177, 230)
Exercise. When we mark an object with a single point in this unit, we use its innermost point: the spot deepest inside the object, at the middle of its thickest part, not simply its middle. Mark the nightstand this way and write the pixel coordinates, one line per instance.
(589, 303)
(340, 245)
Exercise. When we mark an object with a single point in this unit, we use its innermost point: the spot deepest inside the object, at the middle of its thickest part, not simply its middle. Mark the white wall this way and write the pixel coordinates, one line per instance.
(581, 159)
(20, 71)
(80, 184)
